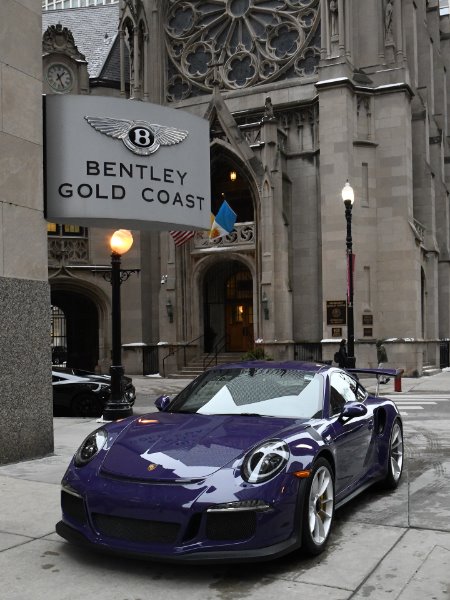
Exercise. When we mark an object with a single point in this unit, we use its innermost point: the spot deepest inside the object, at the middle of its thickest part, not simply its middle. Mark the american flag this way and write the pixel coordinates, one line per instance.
(181, 237)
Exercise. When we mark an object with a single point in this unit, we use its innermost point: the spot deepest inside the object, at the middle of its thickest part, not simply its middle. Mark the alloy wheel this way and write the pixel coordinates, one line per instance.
(396, 451)
(321, 505)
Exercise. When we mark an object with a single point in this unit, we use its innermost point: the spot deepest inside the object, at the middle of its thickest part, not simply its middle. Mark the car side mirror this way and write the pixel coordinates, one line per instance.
(351, 410)
(162, 403)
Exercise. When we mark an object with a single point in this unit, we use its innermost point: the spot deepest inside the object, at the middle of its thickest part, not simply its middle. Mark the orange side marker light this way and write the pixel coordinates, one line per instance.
(302, 474)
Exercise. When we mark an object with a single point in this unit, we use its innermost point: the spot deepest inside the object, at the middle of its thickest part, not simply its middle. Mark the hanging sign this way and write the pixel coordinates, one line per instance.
(111, 162)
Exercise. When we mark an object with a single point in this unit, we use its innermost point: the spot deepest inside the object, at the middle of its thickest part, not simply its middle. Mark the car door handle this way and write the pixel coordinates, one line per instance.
(370, 424)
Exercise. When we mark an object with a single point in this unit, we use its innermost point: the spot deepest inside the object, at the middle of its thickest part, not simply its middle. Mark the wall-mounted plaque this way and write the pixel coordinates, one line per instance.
(336, 312)
(336, 332)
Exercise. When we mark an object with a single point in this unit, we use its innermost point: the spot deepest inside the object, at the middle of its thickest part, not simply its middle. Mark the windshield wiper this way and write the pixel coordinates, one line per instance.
(244, 414)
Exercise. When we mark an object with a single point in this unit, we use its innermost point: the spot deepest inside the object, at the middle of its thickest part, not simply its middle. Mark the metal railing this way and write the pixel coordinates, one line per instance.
(444, 347)
(244, 234)
(175, 351)
(219, 347)
(150, 360)
(308, 351)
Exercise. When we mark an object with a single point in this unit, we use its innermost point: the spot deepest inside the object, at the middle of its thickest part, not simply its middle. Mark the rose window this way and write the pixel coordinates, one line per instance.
(238, 43)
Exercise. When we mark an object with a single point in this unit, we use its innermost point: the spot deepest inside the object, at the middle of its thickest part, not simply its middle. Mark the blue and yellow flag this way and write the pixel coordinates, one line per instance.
(223, 222)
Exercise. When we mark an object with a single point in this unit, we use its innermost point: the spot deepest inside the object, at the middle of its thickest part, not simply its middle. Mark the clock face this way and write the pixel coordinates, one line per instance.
(59, 78)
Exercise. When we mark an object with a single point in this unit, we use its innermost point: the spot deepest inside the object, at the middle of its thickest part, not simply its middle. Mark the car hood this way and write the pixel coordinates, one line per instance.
(107, 379)
(171, 446)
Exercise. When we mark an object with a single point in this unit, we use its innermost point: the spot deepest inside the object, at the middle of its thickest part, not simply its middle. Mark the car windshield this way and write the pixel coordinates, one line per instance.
(253, 391)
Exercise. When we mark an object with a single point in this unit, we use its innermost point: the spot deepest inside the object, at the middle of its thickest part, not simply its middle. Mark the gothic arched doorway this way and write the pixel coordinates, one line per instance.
(82, 327)
(228, 307)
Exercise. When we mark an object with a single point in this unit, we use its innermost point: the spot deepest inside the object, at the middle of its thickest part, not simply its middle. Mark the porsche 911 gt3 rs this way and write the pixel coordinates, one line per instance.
(249, 461)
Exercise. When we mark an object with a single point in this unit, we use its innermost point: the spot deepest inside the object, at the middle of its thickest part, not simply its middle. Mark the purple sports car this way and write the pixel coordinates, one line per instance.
(249, 461)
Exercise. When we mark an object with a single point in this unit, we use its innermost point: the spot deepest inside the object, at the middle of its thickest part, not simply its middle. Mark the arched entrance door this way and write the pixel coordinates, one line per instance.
(239, 311)
(82, 326)
(228, 307)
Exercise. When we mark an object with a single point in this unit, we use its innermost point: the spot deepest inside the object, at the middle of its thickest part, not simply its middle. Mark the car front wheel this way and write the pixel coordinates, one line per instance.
(318, 509)
(86, 405)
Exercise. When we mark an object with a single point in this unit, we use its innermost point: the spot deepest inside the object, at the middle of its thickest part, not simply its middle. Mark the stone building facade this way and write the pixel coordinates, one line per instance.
(300, 96)
(26, 426)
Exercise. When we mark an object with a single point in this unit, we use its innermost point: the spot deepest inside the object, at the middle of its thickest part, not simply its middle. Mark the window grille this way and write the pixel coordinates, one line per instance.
(59, 336)
(68, 241)
(58, 230)
(60, 4)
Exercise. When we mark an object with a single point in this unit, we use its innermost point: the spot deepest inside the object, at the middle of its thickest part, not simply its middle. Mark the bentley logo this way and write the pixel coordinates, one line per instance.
(140, 137)
(151, 467)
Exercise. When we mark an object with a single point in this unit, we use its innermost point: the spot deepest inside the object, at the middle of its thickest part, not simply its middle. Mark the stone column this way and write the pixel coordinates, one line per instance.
(276, 324)
(122, 62)
(26, 408)
(137, 84)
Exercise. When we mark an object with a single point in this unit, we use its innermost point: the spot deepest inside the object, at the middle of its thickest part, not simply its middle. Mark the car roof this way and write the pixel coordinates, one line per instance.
(292, 365)
(68, 376)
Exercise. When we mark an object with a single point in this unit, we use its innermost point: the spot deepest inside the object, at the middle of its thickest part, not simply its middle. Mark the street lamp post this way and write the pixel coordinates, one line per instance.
(117, 406)
(348, 197)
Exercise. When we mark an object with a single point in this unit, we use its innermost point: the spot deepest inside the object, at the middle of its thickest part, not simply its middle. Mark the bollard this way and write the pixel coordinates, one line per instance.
(398, 383)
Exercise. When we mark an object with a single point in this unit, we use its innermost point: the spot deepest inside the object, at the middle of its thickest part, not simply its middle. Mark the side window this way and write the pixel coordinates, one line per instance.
(342, 390)
(361, 393)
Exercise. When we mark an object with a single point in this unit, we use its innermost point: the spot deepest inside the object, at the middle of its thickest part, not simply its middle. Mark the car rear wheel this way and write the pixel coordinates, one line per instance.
(86, 405)
(395, 457)
(318, 510)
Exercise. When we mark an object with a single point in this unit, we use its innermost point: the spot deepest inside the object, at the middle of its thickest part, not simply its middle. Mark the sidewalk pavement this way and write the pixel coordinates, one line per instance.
(36, 564)
(439, 384)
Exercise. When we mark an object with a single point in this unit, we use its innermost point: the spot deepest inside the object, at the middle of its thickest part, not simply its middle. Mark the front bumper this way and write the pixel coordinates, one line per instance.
(180, 523)
(212, 556)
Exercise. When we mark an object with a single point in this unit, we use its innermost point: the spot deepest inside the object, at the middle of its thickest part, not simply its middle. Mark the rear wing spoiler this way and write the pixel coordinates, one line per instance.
(378, 373)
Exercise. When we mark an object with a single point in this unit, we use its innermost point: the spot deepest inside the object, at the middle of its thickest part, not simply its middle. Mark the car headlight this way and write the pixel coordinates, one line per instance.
(90, 447)
(98, 387)
(265, 461)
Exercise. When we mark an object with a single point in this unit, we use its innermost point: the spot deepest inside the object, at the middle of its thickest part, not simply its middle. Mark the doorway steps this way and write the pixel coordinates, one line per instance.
(196, 366)
(429, 369)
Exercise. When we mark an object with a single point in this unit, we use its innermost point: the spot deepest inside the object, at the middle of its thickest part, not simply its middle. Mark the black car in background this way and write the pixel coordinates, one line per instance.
(59, 355)
(84, 394)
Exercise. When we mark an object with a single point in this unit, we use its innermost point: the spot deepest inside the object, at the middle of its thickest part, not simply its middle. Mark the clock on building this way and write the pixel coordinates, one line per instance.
(59, 78)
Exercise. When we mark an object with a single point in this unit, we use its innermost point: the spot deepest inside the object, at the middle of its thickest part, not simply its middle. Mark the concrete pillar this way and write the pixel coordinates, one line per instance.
(26, 408)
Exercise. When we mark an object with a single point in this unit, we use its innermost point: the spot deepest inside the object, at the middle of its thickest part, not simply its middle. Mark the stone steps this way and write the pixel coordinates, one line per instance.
(429, 369)
(196, 366)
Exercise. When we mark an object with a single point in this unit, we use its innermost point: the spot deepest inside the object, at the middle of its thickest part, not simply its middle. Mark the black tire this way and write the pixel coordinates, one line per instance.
(395, 458)
(86, 405)
(318, 508)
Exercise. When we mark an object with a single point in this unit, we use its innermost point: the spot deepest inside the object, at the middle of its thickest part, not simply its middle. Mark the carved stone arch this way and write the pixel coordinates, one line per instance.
(127, 27)
(224, 127)
(83, 286)
(142, 58)
(224, 160)
(130, 11)
(63, 288)
(204, 264)
(221, 265)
